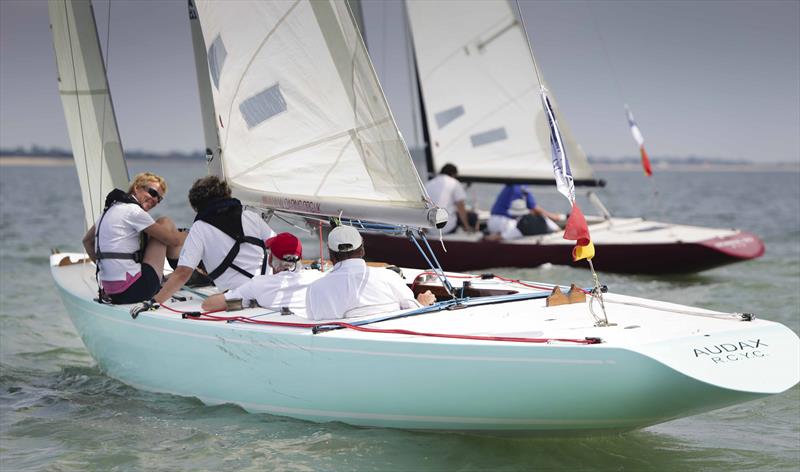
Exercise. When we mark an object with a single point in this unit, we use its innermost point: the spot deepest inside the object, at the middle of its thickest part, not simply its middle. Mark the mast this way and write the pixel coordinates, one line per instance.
(207, 113)
(86, 98)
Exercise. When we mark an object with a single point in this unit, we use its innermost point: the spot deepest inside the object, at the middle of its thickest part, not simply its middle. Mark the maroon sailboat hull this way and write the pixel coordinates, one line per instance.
(662, 258)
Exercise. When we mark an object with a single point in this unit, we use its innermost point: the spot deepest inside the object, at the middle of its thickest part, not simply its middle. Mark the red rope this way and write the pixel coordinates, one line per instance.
(463, 336)
(207, 316)
(184, 312)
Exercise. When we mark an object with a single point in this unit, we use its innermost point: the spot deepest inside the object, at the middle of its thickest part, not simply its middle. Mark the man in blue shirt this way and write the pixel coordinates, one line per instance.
(513, 202)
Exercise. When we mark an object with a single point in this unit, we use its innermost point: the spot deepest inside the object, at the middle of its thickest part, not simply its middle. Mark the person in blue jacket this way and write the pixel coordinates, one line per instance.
(515, 214)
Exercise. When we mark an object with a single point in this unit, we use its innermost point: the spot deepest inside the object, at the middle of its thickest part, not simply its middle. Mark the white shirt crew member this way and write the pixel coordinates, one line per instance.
(445, 191)
(119, 231)
(210, 245)
(284, 289)
(353, 289)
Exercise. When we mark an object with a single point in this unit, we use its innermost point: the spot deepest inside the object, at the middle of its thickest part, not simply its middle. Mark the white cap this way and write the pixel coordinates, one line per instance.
(519, 207)
(344, 239)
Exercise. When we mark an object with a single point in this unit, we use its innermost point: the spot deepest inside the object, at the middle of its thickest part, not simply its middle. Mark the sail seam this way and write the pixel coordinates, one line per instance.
(322, 140)
(84, 92)
(250, 63)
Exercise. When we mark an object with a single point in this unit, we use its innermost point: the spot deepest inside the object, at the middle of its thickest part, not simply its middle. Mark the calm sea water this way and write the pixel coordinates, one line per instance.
(59, 412)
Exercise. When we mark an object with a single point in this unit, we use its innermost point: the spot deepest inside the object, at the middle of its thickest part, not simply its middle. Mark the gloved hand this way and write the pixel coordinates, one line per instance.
(149, 305)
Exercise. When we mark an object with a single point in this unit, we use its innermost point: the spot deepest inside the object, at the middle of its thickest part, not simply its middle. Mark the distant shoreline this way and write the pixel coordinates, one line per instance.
(704, 167)
(30, 161)
(52, 161)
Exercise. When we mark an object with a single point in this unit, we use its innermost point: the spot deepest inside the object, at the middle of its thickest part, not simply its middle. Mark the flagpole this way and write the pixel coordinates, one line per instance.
(576, 228)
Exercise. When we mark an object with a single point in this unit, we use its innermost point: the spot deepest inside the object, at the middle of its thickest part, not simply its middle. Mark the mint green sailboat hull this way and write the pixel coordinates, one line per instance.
(389, 380)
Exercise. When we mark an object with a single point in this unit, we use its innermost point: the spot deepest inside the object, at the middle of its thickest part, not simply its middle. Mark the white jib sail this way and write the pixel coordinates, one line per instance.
(303, 123)
(87, 104)
(481, 93)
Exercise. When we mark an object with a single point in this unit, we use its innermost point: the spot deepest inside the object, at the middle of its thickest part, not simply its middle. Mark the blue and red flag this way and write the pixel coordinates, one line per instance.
(576, 230)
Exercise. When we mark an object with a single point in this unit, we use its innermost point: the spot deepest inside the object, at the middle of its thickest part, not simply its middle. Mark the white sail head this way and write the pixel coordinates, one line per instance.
(303, 123)
(85, 95)
(481, 93)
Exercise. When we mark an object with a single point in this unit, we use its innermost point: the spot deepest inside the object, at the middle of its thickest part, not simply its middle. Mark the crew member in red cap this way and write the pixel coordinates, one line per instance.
(285, 288)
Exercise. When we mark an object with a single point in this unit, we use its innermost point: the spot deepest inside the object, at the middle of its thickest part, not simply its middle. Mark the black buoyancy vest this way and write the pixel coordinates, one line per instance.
(226, 215)
(119, 196)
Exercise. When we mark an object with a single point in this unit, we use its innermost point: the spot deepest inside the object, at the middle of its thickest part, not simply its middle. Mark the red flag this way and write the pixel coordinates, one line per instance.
(576, 229)
(646, 162)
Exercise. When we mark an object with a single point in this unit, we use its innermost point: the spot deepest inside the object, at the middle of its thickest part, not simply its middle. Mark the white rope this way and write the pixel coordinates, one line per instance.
(721, 316)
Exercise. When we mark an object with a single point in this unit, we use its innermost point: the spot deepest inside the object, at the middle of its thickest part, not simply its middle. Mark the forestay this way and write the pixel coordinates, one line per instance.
(87, 104)
(303, 123)
(481, 94)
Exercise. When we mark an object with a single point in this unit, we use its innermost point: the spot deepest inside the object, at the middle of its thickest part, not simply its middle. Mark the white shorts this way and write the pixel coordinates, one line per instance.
(505, 226)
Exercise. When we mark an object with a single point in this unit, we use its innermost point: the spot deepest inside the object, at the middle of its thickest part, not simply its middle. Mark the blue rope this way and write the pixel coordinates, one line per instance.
(440, 306)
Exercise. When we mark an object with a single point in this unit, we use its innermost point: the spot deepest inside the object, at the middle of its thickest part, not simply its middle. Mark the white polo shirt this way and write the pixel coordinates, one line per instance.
(284, 289)
(210, 245)
(353, 289)
(119, 232)
(445, 191)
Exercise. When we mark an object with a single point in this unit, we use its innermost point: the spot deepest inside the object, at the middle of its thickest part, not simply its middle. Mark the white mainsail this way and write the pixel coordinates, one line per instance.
(481, 94)
(85, 95)
(303, 123)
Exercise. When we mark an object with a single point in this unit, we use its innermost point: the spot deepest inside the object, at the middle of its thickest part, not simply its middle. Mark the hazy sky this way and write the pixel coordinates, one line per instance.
(705, 78)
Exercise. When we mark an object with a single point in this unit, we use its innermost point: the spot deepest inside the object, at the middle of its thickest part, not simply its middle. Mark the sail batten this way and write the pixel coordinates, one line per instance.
(481, 94)
(300, 108)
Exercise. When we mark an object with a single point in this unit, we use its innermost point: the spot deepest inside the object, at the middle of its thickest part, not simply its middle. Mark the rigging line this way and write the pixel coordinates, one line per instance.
(433, 254)
(80, 112)
(604, 49)
(412, 235)
(412, 66)
(528, 42)
(290, 223)
(620, 95)
(718, 316)
(107, 98)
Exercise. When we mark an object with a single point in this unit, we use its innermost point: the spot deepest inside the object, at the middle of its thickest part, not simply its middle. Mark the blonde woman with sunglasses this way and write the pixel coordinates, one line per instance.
(129, 246)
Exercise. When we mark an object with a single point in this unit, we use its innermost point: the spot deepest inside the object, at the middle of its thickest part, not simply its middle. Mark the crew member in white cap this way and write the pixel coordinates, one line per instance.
(285, 288)
(352, 289)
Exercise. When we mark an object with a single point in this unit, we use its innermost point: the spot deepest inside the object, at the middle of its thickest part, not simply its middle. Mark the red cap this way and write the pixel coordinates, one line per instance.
(284, 244)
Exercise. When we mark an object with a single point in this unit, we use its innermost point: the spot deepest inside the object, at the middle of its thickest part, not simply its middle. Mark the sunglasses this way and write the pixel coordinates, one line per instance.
(154, 193)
